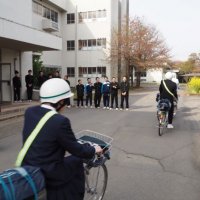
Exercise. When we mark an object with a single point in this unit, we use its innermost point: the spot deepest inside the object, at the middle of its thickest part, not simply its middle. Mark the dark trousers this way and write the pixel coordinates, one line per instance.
(73, 186)
(106, 100)
(124, 97)
(17, 94)
(79, 100)
(89, 99)
(171, 113)
(97, 100)
(29, 92)
(114, 97)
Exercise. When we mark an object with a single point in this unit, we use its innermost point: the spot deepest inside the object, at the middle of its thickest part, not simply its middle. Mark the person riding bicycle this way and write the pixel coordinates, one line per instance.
(64, 175)
(168, 90)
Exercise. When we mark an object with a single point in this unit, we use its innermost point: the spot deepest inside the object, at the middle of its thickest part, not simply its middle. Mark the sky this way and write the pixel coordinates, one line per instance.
(177, 20)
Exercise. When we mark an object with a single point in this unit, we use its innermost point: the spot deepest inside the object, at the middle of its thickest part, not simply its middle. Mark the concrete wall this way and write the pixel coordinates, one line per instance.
(19, 11)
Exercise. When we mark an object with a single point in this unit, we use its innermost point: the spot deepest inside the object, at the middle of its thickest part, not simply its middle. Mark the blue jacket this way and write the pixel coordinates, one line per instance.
(48, 149)
(88, 88)
(105, 89)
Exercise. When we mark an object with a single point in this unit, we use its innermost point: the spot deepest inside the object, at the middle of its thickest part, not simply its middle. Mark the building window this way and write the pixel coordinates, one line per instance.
(70, 45)
(82, 44)
(71, 71)
(92, 44)
(92, 71)
(45, 11)
(82, 71)
(87, 16)
(70, 18)
(37, 8)
(92, 15)
(82, 16)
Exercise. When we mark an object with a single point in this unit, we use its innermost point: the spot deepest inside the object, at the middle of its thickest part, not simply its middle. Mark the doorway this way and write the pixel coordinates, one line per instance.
(5, 83)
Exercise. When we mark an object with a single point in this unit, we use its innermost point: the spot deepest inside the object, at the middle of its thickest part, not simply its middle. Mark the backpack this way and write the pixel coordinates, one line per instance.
(21, 183)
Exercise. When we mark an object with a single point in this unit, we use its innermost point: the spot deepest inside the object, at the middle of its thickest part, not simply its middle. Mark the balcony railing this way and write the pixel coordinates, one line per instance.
(49, 25)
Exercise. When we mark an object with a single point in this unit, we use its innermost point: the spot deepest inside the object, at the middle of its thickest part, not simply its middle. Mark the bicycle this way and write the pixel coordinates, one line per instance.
(162, 115)
(96, 173)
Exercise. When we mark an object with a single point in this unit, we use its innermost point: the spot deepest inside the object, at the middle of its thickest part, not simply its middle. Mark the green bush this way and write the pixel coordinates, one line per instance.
(194, 85)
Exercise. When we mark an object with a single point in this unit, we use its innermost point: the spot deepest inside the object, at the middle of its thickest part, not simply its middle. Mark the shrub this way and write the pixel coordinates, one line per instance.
(194, 85)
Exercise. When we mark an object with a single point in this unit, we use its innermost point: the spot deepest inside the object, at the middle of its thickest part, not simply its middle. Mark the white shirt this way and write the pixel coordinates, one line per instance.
(48, 107)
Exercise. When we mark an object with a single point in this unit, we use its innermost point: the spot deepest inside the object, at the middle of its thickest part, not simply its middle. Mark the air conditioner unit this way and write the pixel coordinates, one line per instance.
(49, 25)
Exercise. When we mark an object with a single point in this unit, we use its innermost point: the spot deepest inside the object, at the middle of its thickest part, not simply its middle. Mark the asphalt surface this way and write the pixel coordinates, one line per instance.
(143, 166)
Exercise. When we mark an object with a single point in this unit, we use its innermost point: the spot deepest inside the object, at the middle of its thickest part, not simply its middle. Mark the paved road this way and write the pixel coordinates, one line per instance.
(144, 166)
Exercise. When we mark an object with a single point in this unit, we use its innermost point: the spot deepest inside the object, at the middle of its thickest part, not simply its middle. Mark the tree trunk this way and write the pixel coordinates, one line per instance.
(131, 75)
(138, 79)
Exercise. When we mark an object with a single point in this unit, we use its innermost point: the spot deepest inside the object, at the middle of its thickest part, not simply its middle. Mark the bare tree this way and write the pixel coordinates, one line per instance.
(140, 46)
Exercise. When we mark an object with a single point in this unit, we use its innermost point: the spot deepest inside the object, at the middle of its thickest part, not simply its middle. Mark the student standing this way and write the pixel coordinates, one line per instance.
(124, 93)
(106, 93)
(29, 85)
(114, 86)
(97, 94)
(80, 93)
(16, 86)
(88, 91)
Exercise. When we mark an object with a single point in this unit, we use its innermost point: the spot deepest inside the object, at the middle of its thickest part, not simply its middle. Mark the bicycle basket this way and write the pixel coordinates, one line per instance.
(92, 137)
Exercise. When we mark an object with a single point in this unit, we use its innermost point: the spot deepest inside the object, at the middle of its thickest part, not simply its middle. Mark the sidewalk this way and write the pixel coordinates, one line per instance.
(15, 110)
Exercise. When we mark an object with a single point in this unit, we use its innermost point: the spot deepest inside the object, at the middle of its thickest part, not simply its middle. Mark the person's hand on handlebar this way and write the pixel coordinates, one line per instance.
(98, 149)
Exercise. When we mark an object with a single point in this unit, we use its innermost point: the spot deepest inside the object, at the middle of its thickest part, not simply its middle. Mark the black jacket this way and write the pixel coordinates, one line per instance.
(48, 149)
(114, 87)
(29, 80)
(41, 80)
(97, 88)
(16, 82)
(164, 94)
(80, 90)
(124, 86)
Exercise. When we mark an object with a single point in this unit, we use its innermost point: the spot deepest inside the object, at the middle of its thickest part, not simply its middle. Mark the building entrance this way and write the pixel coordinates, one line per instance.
(5, 83)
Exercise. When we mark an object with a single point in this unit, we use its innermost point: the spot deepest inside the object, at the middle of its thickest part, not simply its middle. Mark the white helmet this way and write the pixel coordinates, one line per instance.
(168, 75)
(54, 90)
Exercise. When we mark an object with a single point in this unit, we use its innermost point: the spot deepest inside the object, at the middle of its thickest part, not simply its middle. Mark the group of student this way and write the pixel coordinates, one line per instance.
(108, 90)
(29, 80)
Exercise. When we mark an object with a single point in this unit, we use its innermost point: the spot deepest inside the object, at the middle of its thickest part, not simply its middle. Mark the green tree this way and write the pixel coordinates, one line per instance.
(37, 67)
(187, 67)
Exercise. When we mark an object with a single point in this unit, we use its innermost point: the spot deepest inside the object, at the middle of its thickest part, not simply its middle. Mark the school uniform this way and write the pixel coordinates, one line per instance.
(106, 93)
(64, 175)
(114, 93)
(164, 94)
(97, 94)
(124, 88)
(80, 94)
(16, 87)
(88, 91)
(29, 86)
(68, 99)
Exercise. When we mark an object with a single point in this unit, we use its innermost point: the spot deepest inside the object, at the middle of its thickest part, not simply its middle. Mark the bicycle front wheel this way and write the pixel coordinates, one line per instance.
(95, 182)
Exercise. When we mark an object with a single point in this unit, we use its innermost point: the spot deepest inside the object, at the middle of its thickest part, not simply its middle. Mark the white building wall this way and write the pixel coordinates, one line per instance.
(19, 11)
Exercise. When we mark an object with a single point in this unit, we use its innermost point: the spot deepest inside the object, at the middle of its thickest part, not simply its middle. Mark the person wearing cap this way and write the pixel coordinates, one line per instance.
(64, 176)
(168, 90)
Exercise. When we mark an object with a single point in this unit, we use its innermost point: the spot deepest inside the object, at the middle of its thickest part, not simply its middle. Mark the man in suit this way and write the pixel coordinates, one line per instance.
(64, 175)
(168, 90)
(80, 92)
(29, 85)
(124, 86)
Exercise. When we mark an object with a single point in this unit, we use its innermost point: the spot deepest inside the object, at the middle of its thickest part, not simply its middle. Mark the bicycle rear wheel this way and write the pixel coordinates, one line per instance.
(95, 182)
(161, 124)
